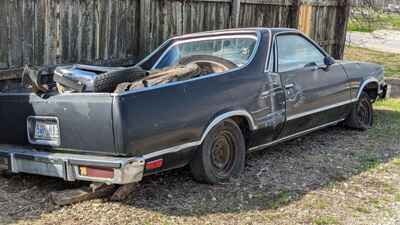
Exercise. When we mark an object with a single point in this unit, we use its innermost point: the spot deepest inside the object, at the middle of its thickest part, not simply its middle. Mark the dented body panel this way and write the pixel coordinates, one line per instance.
(170, 121)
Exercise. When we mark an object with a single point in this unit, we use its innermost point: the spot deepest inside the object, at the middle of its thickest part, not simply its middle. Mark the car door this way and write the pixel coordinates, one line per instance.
(316, 94)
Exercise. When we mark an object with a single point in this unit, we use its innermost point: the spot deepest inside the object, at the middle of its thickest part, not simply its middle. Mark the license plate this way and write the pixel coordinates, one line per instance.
(3, 163)
(46, 131)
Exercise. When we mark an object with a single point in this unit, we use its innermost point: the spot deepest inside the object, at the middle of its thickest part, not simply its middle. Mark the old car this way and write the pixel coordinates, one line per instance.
(256, 87)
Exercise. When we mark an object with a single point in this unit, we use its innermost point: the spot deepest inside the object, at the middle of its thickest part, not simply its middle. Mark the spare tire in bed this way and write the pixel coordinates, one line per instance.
(107, 82)
(85, 78)
(209, 63)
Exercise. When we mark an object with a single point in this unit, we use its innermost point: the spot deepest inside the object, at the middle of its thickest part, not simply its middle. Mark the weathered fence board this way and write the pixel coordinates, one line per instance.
(3, 35)
(122, 31)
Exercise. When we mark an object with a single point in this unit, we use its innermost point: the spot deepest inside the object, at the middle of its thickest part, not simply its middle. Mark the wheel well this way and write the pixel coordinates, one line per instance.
(372, 90)
(244, 126)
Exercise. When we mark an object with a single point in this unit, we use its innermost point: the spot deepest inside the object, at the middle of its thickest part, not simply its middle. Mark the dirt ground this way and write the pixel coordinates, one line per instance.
(334, 176)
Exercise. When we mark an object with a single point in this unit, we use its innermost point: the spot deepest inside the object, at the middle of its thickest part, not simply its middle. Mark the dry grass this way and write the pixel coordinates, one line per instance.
(389, 60)
(334, 176)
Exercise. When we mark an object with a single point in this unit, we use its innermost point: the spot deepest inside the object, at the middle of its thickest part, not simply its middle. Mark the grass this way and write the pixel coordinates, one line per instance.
(397, 197)
(390, 103)
(282, 198)
(383, 127)
(368, 161)
(325, 220)
(390, 61)
(375, 22)
(362, 209)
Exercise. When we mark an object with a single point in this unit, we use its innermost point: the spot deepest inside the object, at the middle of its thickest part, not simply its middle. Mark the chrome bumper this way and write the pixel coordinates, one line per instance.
(66, 166)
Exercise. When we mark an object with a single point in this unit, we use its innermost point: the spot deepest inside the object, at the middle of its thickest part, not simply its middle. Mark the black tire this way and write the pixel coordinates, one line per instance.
(208, 59)
(221, 156)
(362, 114)
(108, 82)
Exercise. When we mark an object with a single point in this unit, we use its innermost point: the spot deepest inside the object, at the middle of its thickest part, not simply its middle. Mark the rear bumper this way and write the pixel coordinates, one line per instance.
(67, 166)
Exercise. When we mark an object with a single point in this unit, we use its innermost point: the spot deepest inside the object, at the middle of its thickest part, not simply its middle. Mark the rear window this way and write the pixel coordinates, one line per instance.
(236, 49)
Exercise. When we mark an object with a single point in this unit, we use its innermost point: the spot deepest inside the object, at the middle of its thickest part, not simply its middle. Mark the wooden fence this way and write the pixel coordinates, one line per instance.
(122, 31)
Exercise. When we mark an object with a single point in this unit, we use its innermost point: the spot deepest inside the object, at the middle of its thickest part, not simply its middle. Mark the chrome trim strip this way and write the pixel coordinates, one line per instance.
(201, 39)
(219, 32)
(223, 116)
(154, 52)
(216, 121)
(172, 149)
(260, 147)
(270, 44)
(271, 91)
(365, 83)
(296, 116)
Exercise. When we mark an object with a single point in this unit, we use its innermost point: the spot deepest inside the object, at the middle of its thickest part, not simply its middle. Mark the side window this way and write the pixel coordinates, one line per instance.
(295, 52)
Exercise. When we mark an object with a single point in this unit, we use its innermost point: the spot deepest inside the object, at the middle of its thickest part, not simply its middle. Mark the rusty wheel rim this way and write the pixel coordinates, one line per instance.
(222, 154)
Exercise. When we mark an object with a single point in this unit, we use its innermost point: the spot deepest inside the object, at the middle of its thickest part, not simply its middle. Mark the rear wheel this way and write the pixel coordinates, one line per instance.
(362, 115)
(221, 156)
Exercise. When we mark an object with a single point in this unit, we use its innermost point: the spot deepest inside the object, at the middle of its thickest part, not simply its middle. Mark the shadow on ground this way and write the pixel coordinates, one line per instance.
(273, 178)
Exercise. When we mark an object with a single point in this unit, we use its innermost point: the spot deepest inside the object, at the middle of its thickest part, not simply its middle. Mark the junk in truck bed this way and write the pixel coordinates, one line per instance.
(86, 78)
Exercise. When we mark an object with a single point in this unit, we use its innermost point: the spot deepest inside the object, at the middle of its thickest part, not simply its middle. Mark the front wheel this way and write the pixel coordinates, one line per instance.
(221, 156)
(362, 115)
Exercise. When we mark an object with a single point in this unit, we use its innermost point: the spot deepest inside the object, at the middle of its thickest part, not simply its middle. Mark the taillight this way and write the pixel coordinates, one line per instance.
(155, 164)
(99, 172)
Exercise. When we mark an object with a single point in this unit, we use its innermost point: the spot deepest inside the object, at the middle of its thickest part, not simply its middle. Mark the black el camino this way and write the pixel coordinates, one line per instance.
(258, 87)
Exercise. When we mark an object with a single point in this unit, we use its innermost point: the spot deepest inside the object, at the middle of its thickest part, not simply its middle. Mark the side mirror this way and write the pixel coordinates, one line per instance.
(328, 61)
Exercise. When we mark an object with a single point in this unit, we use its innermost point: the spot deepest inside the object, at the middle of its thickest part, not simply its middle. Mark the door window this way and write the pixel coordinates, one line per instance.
(295, 52)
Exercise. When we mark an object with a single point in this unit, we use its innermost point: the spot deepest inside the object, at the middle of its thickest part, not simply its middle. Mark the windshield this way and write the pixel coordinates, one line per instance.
(237, 49)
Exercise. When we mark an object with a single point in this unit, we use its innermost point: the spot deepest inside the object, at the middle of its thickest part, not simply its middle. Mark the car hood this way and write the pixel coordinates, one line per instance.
(362, 70)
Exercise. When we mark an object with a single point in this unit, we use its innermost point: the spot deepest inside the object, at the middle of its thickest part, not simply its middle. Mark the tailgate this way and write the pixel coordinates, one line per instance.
(85, 120)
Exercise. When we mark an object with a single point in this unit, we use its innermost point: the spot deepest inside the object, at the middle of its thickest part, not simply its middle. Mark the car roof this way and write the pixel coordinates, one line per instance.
(237, 30)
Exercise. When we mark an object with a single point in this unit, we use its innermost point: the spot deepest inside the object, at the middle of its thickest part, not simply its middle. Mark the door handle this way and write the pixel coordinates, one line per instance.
(288, 86)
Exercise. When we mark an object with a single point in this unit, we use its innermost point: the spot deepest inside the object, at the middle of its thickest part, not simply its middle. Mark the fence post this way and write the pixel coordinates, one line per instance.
(341, 28)
(235, 13)
(305, 13)
(144, 27)
(294, 14)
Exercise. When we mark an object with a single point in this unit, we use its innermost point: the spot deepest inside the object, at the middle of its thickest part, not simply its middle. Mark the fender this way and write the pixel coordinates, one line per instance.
(210, 126)
(365, 83)
(226, 115)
